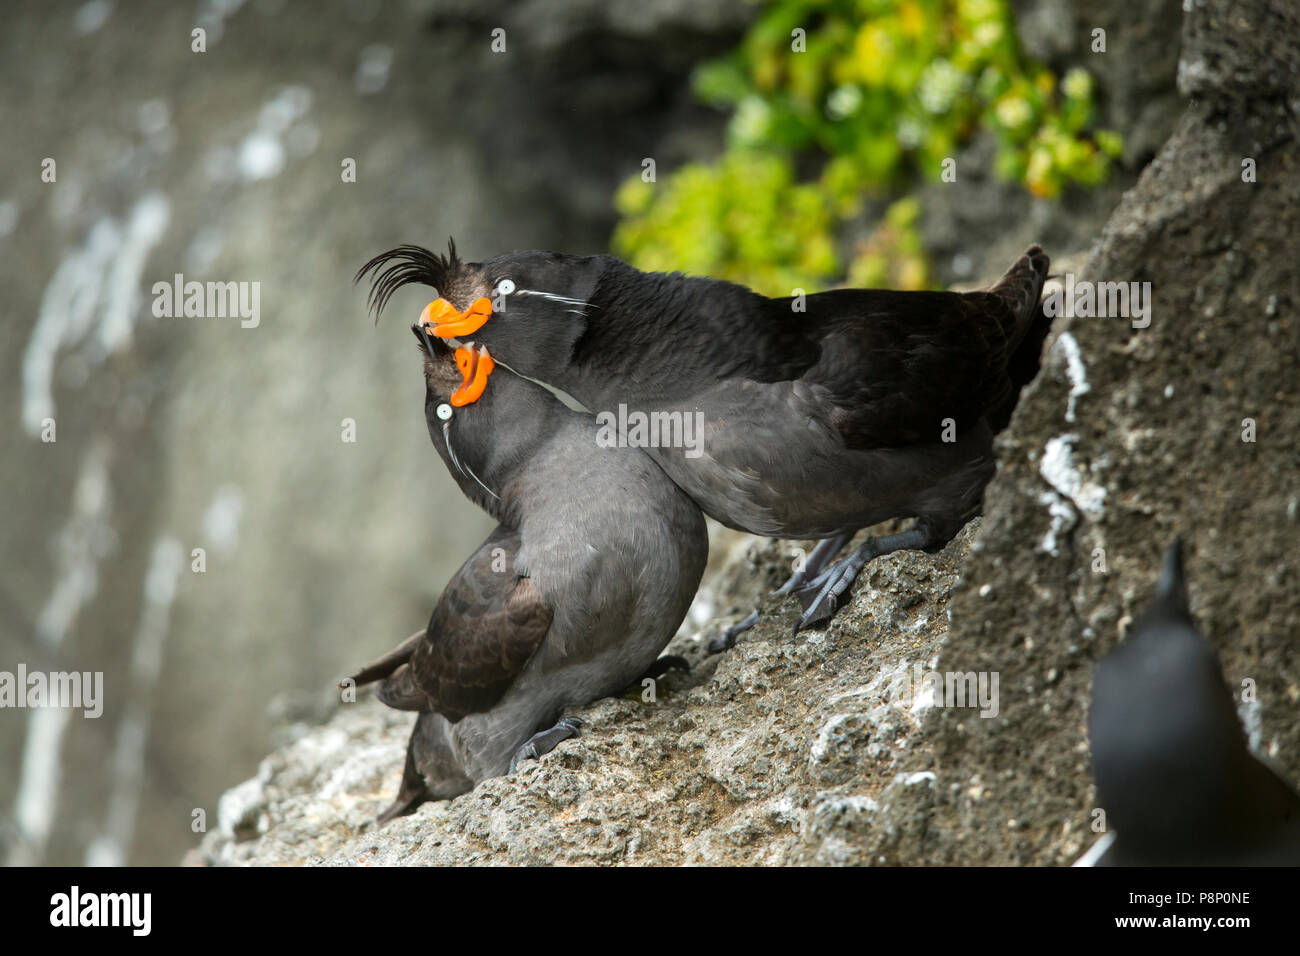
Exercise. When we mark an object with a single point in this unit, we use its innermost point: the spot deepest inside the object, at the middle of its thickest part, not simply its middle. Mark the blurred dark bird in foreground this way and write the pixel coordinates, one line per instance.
(1173, 771)
(570, 599)
(812, 416)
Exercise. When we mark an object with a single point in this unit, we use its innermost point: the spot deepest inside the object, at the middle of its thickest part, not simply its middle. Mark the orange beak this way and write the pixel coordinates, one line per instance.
(450, 324)
(475, 366)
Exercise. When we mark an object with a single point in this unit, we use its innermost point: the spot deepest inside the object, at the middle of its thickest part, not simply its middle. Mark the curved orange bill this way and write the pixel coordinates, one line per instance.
(449, 324)
(475, 366)
(439, 310)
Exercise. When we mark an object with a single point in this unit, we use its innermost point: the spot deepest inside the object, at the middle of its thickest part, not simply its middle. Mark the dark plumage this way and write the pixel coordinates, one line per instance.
(867, 405)
(571, 598)
(1173, 771)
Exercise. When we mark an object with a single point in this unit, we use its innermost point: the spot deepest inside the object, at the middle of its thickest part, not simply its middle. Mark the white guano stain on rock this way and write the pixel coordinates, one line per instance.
(1071, 492)
(1074, 370)
(1059, 470)
(1063, 518)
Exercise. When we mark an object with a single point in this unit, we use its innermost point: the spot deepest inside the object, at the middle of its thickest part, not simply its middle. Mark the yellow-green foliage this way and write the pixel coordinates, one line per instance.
(743, 218)
(885, 90)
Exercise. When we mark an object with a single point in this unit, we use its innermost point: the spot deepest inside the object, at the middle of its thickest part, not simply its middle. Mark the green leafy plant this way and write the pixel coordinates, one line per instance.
(882, 92)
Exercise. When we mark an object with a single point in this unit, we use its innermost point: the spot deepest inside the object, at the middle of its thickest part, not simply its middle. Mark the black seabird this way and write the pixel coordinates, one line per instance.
(1174, 774)
(570, 599)
(818, 415)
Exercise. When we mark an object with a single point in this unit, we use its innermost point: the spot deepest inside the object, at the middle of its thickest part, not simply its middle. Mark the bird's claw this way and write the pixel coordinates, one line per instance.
(728, 638)
(815, 563)
(662, 665)
(825, 594)
(540, 744)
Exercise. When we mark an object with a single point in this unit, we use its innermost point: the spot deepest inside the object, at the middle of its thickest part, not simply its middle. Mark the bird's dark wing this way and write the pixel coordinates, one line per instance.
(488, 623)
(894, 365)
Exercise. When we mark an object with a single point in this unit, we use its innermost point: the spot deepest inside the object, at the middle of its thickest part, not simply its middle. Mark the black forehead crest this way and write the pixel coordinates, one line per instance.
(391, 270)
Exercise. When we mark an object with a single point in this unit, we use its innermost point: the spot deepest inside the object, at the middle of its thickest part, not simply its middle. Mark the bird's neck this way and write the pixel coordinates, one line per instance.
(490, 447)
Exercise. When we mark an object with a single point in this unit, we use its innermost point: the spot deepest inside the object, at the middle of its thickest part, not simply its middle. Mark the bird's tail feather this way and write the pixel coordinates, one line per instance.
(1021, 288)
(383, 666)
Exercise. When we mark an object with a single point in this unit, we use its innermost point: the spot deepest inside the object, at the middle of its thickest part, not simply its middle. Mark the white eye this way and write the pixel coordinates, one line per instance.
(443, 411)
(505, 287)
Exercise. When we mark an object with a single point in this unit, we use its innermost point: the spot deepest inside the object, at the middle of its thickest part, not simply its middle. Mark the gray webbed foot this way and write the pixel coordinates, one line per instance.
(829, 591)
(816, 562)
(540, 744)
(728, 639)
(826, 593)
(813, 566)
(669, 662)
